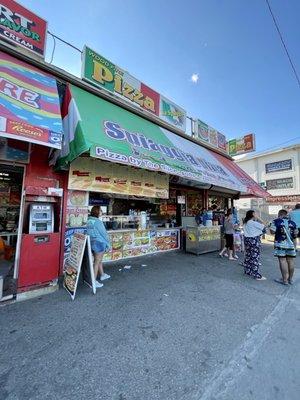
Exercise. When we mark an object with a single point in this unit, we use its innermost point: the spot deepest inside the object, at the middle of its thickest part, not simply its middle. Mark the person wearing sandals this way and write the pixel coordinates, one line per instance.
(253, 229)
(285, 231)
(99, 243)
(229, 237)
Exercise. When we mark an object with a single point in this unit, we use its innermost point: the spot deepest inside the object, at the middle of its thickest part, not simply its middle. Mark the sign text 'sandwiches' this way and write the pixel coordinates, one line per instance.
(22, 27)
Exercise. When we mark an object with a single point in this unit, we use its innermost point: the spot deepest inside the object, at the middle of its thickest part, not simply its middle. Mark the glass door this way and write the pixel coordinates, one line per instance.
(11, 188)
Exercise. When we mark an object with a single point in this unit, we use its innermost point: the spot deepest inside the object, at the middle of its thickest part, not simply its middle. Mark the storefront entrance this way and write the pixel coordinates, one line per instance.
(11, 184)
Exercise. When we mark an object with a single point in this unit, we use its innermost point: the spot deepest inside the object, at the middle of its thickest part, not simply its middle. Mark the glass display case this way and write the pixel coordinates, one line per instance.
(132, 243)
(120, 222)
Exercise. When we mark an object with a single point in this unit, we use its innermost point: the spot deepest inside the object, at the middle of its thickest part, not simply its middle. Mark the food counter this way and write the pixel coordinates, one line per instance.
(133, 243)
(203, 239)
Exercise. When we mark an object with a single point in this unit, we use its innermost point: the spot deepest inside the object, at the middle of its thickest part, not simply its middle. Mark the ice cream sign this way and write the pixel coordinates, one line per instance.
(105, 74)
(21, 27)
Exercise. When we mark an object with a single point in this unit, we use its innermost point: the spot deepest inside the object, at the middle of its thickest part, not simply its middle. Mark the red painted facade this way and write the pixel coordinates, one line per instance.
(41, 263)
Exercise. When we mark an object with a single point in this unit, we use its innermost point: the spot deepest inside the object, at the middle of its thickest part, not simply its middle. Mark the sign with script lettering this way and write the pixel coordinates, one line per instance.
(29, 104)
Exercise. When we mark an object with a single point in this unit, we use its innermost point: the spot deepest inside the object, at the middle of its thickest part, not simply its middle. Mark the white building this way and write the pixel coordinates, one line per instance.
(278, 171)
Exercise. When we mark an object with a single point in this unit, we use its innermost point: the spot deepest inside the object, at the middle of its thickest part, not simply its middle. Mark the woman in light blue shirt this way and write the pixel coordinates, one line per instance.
(99, 242)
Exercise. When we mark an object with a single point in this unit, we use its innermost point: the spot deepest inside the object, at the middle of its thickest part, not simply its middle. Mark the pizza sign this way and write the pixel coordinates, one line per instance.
(103, 73)
(22, 27)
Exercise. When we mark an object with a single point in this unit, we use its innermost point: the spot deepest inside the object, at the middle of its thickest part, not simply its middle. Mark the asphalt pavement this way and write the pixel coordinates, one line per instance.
(179, 327)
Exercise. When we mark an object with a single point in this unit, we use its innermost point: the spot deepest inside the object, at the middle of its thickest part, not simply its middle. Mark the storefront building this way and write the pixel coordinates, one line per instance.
(278, 171)
(31, 194)
(125, 148)
(149, 181)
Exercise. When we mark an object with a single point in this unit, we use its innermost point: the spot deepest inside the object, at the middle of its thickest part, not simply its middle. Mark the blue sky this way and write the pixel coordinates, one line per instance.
(245, 81)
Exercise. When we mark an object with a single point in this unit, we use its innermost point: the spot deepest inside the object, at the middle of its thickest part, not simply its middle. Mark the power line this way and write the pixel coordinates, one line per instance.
(283, 43)
(280, 144)
(53, 50)
(64, 41)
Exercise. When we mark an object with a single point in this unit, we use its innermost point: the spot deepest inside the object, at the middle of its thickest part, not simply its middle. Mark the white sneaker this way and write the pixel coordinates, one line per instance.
(263, 278)
(98, 285)
(236, 257)
(104, 277)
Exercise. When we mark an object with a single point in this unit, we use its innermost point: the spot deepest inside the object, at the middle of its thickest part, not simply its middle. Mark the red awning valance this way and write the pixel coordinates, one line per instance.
(253, 188)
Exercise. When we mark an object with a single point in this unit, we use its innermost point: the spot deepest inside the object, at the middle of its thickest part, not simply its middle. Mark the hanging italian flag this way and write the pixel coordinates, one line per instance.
(74, 142)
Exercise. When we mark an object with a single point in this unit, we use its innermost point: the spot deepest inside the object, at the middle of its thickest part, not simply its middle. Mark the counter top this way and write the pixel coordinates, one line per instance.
(137, 230)
(203, 227)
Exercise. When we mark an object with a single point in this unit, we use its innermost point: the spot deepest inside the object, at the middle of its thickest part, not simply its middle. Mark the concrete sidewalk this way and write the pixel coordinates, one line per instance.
(182, 327)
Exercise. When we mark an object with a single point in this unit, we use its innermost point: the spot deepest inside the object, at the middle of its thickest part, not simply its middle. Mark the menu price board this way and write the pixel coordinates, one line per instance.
(80, 247)
(73, 263)
(69, 233)
(106, 177)
(138, 243)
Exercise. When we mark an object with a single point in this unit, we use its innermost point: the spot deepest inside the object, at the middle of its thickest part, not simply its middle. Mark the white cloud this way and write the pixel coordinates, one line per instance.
(194, 78)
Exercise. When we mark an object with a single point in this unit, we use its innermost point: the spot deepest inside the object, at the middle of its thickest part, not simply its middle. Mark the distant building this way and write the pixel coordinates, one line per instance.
(278, 171)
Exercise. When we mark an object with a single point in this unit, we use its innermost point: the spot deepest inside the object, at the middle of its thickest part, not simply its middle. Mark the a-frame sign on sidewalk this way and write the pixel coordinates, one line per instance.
(80, 259)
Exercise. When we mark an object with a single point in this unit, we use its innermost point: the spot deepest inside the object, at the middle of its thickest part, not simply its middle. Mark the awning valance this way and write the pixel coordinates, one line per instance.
(29, 104)
(112, 133)
(253, 189)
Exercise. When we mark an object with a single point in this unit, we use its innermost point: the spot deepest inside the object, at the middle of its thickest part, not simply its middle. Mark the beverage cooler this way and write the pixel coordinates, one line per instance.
(203, 239)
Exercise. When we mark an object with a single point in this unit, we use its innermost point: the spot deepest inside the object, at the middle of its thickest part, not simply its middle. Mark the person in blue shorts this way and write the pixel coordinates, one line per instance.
(99, 242)
(285, 232)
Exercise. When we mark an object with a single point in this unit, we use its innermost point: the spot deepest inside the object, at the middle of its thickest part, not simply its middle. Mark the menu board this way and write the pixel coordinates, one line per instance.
(138, 243)
(74, 263)
(69, 233)
(94, 175)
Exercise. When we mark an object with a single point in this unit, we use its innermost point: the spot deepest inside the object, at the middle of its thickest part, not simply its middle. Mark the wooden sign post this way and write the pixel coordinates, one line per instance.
(80, 258)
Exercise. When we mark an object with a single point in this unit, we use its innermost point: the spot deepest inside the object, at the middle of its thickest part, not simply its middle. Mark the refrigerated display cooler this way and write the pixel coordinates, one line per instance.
(203, 239)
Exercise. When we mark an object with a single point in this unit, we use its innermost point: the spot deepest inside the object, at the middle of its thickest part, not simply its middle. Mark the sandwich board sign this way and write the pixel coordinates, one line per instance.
(80, 259)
